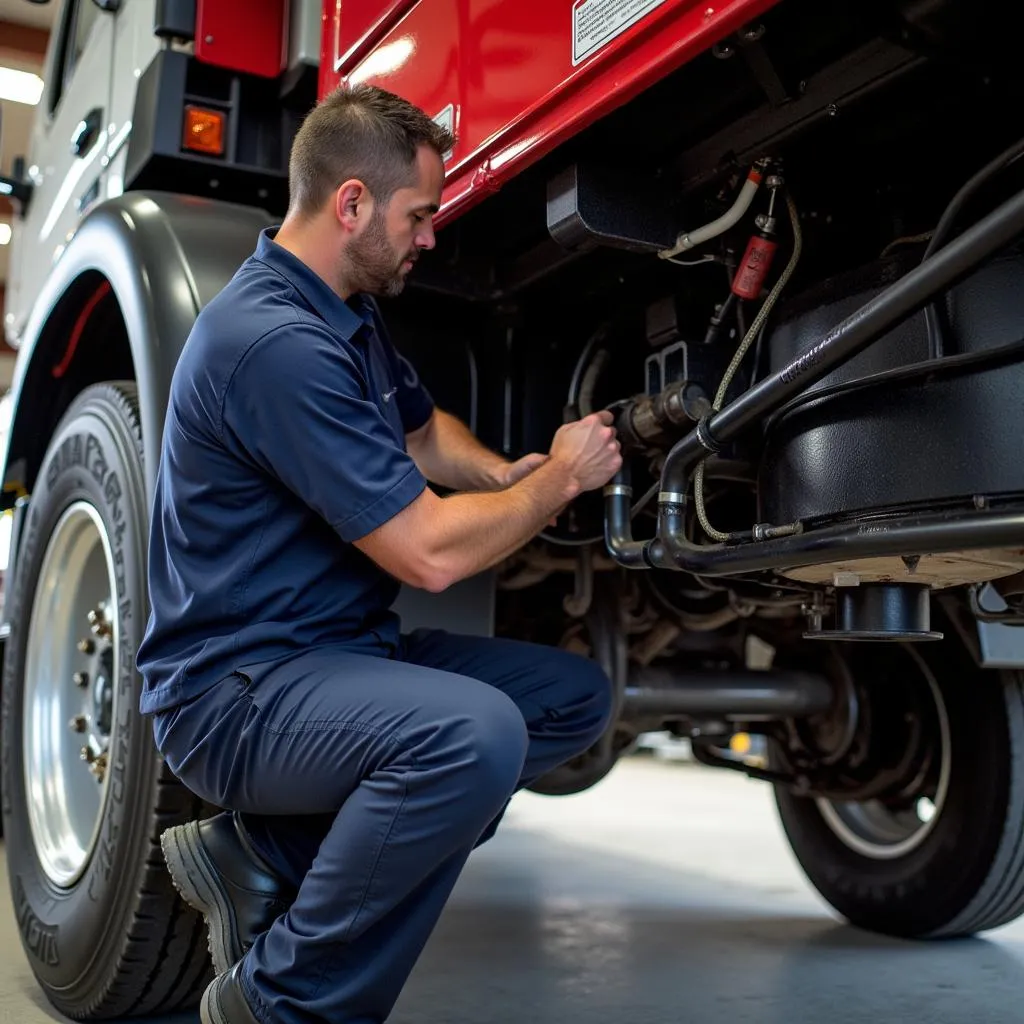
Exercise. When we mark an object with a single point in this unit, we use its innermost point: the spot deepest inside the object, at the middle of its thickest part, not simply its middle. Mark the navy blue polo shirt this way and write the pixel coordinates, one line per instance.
(284, 442)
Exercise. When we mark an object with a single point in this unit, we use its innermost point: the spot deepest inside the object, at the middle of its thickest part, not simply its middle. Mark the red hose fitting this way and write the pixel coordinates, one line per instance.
(754, 267)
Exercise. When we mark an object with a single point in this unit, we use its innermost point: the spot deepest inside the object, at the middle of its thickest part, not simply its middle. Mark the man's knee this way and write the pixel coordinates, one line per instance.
(584, 694)
(487, 748)
(601, 689)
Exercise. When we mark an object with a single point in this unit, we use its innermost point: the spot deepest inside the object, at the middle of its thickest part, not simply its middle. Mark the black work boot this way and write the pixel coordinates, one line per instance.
(215, 868)
(223, 1001)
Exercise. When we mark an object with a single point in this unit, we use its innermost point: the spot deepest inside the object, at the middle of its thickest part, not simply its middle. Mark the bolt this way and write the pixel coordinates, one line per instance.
(832, 110)
(208, 40)
(723, 51)
(86, 646)
(87, 755)
(774, 181)
(98, 623)
(752, 33)
(709, 13)
(77, 724)
(98, 766)
(81, 679)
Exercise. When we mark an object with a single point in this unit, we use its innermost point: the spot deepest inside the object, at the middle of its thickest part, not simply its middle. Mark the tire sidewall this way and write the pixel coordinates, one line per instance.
(922, 892)
(93, 457)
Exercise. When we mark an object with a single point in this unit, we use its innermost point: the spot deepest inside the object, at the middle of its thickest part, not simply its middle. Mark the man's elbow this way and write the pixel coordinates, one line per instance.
(435, 575)
(408, 548)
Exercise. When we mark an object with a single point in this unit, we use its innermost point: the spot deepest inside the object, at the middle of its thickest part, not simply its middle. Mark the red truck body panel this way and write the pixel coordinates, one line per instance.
(516, 77)
(260, 48)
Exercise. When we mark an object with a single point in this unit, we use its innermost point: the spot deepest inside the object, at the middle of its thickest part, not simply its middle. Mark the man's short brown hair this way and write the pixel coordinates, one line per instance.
(363, 132)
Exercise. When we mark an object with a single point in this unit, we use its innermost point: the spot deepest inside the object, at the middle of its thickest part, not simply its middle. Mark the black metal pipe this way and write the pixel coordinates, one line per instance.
(671, 549)
(933, 316)
(741, 695)
(917, 535)
(618, 532)
(905, 297)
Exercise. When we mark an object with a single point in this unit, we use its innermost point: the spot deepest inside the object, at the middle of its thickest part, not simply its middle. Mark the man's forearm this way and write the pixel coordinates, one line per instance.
(435, 542)
(473, 532)
(448, 454)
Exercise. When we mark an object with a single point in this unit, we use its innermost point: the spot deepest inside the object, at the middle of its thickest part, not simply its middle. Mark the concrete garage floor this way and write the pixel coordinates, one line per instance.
(665, 895)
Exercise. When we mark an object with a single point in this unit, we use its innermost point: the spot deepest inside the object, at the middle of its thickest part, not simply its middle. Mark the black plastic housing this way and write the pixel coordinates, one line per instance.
(175, 19)
(260, 126)
(922, 442)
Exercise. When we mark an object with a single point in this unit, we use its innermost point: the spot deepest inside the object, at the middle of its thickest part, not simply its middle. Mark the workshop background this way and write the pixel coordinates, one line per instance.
(665, 894)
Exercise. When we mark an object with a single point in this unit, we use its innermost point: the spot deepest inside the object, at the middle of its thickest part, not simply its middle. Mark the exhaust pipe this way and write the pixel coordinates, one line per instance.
(743, 696)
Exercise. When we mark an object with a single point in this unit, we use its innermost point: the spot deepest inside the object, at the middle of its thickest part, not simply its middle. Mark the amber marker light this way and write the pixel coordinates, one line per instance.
(204, 131)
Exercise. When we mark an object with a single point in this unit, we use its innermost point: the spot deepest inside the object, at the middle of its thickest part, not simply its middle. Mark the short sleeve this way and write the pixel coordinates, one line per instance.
(415, 403)
(297, 405)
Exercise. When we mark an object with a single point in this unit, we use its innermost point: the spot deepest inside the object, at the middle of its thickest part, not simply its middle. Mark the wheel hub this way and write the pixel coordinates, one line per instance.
(70, 696)
(909, 761)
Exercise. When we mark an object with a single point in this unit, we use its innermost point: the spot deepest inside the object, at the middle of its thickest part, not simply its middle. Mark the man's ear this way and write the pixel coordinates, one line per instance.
(352, 203)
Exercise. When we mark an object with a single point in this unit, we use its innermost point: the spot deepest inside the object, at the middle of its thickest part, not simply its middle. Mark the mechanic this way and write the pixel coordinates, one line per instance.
(356, 766)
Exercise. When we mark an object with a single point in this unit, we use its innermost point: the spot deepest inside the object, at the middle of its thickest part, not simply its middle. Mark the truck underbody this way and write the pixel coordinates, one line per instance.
(549, 300)
(791, 268)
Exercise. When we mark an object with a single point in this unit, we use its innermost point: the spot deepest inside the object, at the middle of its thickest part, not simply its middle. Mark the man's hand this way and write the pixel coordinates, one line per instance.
(588, 450)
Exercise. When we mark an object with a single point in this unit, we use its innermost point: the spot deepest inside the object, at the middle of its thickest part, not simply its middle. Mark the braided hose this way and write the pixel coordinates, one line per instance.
(737, 359)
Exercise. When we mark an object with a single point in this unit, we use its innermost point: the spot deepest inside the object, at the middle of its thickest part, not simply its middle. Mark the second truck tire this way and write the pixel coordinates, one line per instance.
(963, 872)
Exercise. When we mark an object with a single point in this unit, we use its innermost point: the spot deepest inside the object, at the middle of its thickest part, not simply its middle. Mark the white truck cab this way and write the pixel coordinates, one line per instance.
(99, 53)
(77, 150)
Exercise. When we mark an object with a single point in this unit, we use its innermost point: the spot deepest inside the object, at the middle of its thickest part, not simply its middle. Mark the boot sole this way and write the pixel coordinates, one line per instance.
(195, 878)
(208, 1010)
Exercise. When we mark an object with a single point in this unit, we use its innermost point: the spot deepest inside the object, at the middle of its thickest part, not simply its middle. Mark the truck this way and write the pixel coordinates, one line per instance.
(780, 240)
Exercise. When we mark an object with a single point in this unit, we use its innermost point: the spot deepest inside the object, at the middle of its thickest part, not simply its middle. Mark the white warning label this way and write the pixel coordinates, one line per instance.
(595, 23)
(446, 119)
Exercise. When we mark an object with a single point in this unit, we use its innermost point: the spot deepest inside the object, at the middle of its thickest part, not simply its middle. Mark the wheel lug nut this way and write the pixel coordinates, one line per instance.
(86, 646)
(81, 679)
(98, 623)
(78, 723)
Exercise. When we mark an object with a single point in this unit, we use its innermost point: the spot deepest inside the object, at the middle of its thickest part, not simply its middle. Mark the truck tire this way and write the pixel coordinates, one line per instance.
(103, 929)
(954, 866)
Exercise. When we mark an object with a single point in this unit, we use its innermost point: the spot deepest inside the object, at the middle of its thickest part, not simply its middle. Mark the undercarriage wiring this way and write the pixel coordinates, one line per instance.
(705, 430)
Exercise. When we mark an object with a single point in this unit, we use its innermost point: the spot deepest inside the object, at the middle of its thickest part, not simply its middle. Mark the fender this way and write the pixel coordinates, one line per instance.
(165, 256)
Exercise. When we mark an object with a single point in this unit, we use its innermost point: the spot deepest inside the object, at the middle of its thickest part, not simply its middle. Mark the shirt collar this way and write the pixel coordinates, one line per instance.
(345, 318)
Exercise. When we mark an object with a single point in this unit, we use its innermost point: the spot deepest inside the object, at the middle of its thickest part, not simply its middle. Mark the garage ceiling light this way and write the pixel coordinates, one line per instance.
(20, 86)
(5, 233)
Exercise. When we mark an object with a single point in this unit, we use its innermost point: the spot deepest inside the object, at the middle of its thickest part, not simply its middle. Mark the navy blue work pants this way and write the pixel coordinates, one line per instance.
(367, 782)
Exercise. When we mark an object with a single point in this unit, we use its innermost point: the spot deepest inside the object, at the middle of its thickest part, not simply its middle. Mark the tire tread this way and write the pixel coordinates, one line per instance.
(1000, 899)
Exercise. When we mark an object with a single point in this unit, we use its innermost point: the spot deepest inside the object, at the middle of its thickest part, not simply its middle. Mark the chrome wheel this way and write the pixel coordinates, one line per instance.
(885, 830)
(70, 699)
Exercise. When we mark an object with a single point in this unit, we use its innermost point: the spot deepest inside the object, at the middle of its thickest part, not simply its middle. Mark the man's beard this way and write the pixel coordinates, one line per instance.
(371, 259)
